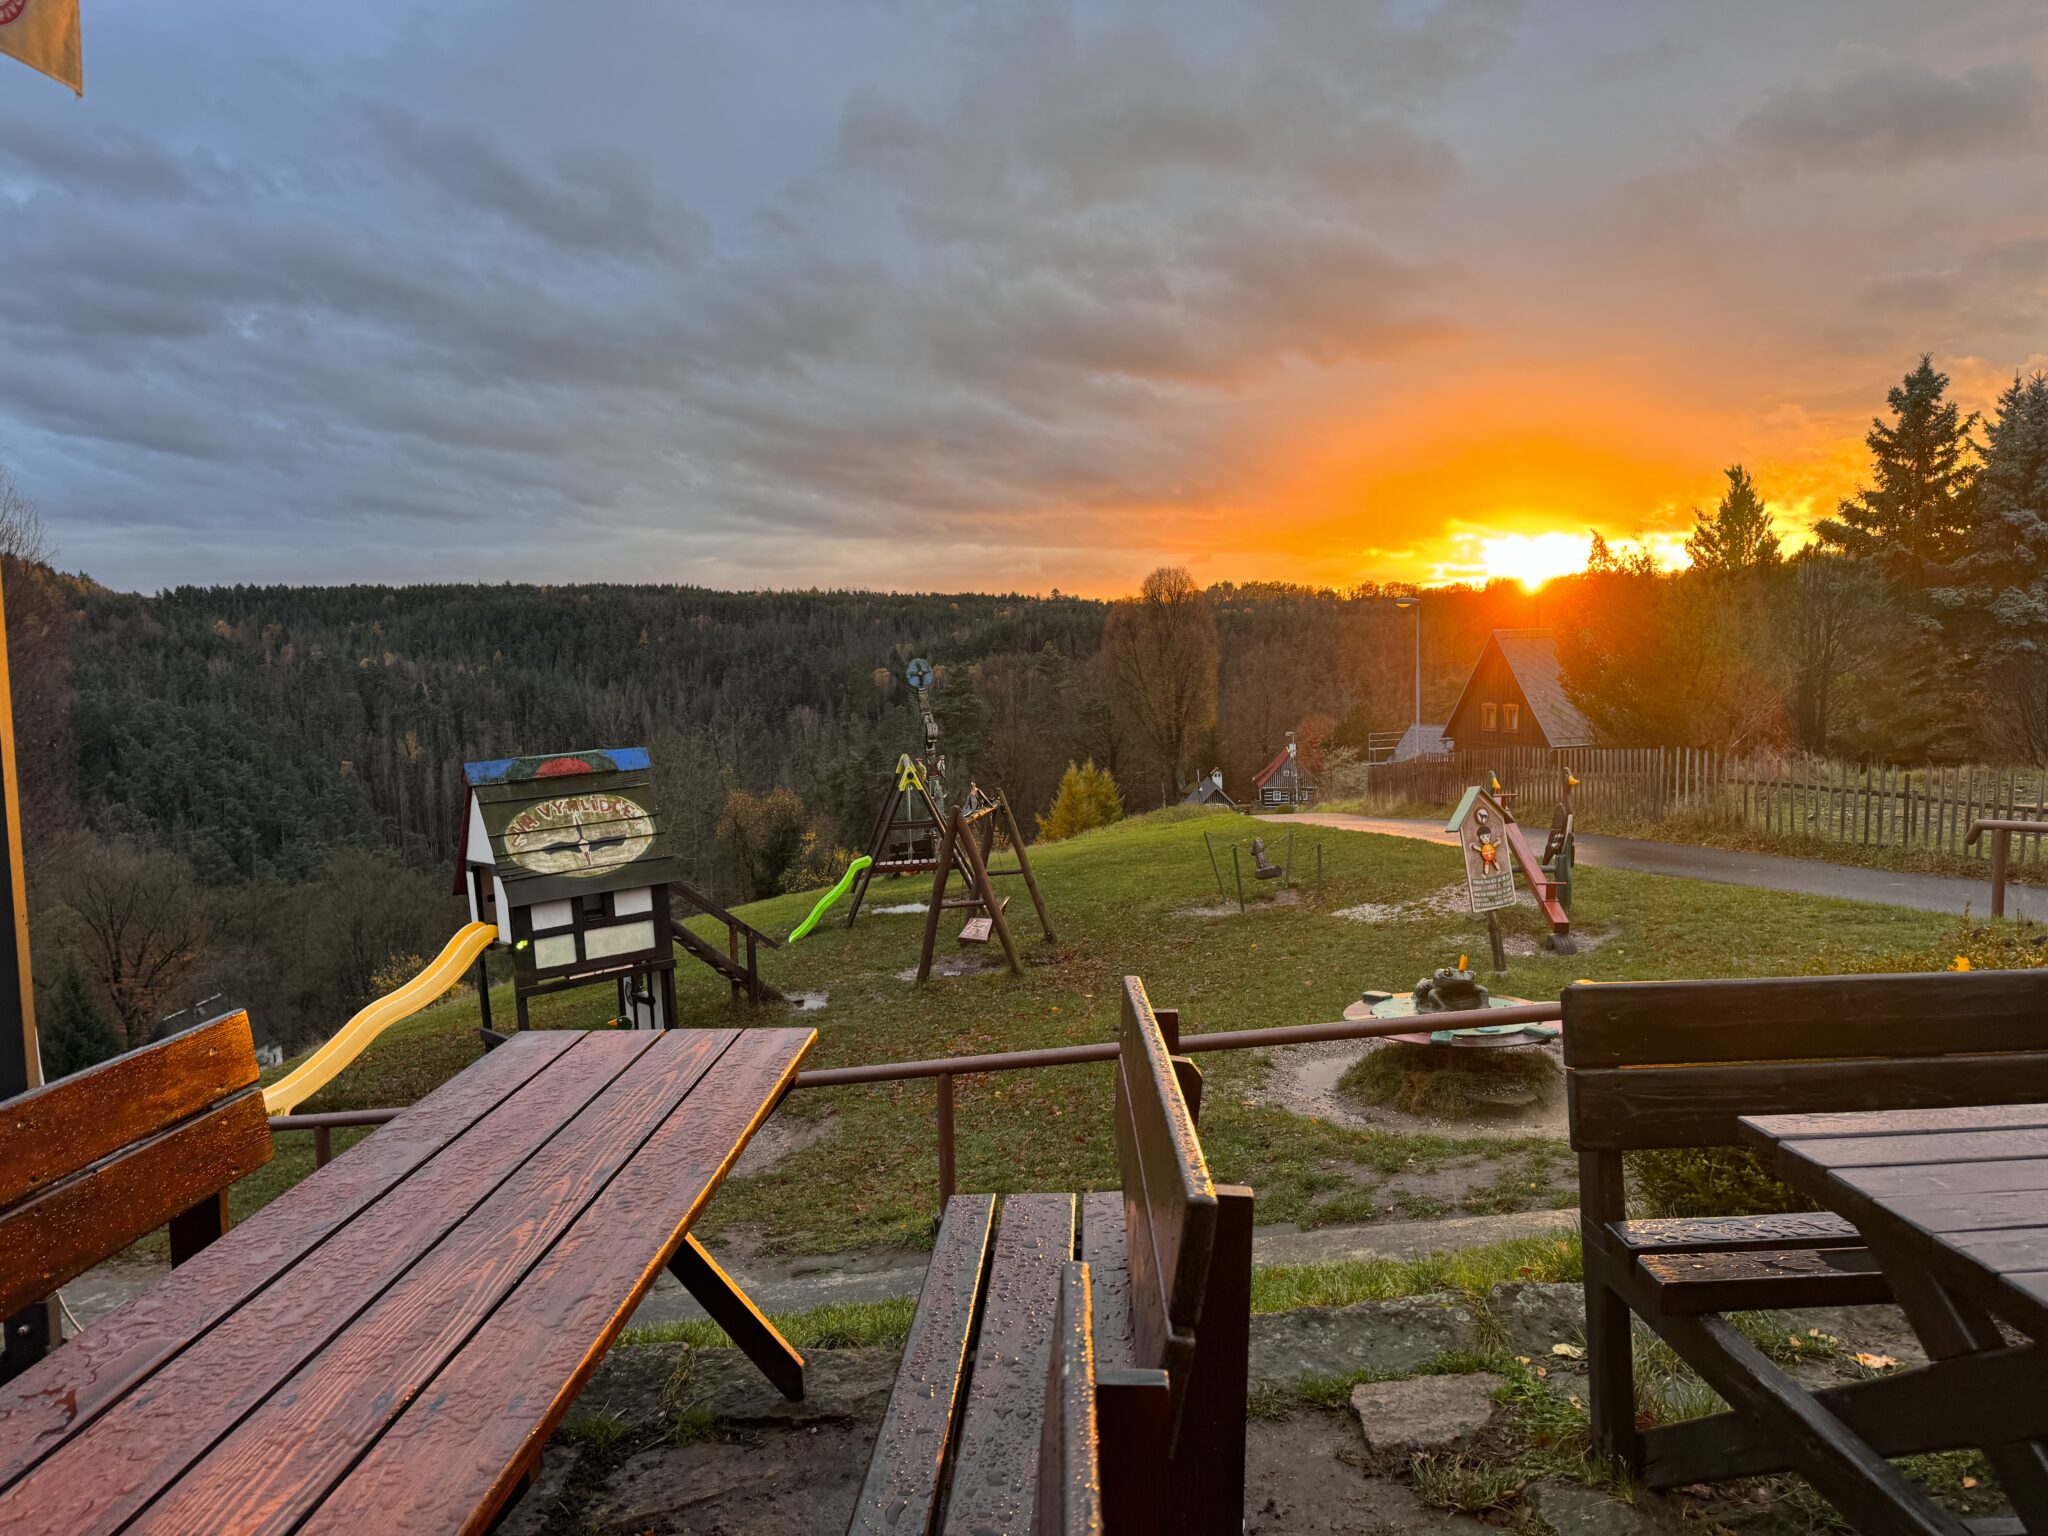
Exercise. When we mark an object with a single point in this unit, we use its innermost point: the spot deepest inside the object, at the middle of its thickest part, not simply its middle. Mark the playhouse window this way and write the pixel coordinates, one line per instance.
(1489, 717)
(1514, 716)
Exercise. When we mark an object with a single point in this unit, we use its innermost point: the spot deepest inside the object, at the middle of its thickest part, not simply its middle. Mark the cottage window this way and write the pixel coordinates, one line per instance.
(1489, 717)
(1514, 716)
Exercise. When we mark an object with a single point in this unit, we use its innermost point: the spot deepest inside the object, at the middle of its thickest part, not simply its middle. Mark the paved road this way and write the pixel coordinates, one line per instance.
(1724, 866)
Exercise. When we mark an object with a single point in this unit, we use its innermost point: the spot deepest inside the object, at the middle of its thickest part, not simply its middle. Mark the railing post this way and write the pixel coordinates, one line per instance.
(2001, 841)
(946, 1163)
(323, 1146)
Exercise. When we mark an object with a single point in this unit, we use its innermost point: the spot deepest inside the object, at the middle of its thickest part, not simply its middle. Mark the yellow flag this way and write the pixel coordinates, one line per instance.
(43, 34)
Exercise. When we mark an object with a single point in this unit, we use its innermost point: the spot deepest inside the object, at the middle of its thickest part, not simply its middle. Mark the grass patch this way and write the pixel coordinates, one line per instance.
(842, 1325)
(600, 1430)
(1120, 898)
(1471, 1272)
(1708, 1181)
(1448, 1079)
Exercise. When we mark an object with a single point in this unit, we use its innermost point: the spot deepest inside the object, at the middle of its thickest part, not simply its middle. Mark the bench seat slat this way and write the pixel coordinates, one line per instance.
(909, 1461)
(1693, 1284)
(1733, 1234)
(1069, 1456)
(1104, 1248)
(995, 1474)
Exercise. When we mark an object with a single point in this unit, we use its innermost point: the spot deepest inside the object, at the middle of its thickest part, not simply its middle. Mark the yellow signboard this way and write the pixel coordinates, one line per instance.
(43, 34)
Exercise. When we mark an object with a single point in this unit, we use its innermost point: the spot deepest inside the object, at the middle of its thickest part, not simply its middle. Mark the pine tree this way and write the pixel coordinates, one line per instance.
(1739, 535)
(1995, 599)
(1087, 798)
(75, 1034)
(1105, 803)
(1917, 516)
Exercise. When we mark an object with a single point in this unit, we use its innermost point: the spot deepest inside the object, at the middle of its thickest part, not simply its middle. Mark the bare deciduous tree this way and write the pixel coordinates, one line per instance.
(1161, 647)
(143, 926)
(1831, 610)
(22, 534)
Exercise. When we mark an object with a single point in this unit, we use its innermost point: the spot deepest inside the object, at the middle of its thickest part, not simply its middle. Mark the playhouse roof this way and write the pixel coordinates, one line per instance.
(566, 824)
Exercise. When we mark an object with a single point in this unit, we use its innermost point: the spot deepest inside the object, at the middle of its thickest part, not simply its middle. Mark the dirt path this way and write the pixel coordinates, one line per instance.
(1726, 866)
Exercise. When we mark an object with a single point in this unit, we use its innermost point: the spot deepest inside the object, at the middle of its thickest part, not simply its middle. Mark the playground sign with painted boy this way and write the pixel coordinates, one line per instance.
(1489, 867)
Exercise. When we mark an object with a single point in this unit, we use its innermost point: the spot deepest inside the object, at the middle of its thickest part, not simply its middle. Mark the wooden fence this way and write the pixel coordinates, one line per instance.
(1624, 788)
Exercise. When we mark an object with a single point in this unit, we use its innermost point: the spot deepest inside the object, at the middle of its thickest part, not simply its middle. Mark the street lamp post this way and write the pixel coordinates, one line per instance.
(1416, 604)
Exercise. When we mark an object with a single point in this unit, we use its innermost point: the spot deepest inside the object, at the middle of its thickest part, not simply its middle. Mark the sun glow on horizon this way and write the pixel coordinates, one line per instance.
(1533, 558)
(1536, 559)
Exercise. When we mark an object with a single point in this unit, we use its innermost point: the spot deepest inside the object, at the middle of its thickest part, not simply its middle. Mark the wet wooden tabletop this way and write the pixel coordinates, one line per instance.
(387, 1345)
(1963, 1190)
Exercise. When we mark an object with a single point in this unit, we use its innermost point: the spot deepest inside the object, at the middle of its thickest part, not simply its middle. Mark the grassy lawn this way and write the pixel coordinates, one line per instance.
(1123, 900)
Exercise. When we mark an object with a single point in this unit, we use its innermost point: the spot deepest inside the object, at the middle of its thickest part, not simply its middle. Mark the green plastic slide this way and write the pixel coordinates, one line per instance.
(825, 901)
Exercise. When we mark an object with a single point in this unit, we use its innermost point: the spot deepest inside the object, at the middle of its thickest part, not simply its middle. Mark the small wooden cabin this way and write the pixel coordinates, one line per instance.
(1209, 791)
(1515, 697)
(1284, 781)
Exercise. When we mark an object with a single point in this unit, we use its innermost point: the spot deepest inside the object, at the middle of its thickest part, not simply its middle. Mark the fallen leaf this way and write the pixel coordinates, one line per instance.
(1569, 1351)
(1876, 1362)
(1969, 1482)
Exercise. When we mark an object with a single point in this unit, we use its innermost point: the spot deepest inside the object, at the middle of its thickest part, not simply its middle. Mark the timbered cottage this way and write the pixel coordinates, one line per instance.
(1515, 697)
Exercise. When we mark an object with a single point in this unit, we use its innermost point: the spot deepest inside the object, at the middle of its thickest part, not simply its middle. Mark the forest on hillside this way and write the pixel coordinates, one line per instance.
(251, 795)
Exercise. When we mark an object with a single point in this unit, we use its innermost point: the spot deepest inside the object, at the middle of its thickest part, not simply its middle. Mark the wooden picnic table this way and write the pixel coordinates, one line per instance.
(1953, 1203)
(387, 1346)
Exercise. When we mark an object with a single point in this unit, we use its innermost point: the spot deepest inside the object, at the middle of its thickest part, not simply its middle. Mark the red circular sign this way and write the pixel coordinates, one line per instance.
(10, 9)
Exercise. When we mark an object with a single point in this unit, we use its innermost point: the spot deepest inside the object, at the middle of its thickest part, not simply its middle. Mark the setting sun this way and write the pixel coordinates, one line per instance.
(1533, 558)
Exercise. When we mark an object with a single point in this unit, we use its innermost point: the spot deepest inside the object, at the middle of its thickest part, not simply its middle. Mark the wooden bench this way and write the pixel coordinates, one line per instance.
(1082, 1375)
(1676, 1064)
(93, 1162)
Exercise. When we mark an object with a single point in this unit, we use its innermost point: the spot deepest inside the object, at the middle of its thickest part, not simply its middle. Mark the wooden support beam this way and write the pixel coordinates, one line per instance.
(745, 1324)
(937, 904)
(965, 847)
(1016, 837)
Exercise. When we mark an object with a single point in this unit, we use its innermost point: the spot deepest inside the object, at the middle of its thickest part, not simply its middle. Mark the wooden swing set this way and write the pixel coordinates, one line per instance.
(913, 836)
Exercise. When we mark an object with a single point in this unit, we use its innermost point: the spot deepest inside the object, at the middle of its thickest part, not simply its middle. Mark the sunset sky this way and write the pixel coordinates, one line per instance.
(1015, 295)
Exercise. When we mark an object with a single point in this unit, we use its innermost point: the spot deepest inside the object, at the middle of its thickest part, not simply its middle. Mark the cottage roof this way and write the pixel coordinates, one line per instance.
(1531, 655)
(1280, 760)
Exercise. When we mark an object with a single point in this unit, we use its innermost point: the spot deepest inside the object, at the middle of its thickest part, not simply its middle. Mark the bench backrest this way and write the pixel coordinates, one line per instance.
(1676, 1063)
(1170, 1205)
(90, 1163)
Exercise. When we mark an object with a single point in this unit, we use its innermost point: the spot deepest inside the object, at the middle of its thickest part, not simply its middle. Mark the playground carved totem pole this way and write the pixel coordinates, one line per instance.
(567, 857)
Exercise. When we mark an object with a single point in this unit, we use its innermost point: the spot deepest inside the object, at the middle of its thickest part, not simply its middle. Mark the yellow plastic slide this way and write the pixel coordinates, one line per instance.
(325, 1064)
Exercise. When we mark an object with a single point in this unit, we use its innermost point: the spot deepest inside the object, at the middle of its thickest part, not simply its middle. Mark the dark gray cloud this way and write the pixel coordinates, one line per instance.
(1896, 116)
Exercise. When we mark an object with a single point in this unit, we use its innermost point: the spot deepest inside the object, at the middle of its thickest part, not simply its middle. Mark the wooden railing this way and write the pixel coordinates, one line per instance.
(946, 1068)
